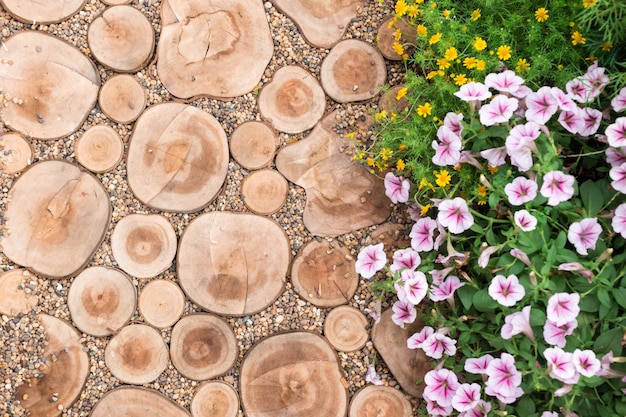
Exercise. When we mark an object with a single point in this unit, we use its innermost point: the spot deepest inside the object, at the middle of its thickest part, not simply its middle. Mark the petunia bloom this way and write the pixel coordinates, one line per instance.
(499, 110)
(415, 286)
(504, 379)
(557, 187)
(615, 156)
(577, 90)
(445, 289)
(541, 106)
(586, 362)
(618, 175)
(506, 290)
(555, 335)
(453, 122)
(370, 260)
(584, 234)
(403, 313)
(417, 339)
(437, 344)
(619, 101)
(405, 259)
(435, 409)
(473, 91)
(619, 220)
(441, 385)
(505, 82)
(478, 365)
(371, 376)
(454, 214)
(517, 323)
(561, 365)
(521, 255)
(616, 132)
(520, 143)
(448, 149)
(591, 121)
(485, 254)
(397, 188)
(521, 190)
(564, 101)
(577, 267)
(573, 120)
(422, 234)
(525, 221)
(563, 307)
(495, 156)
(466, 397)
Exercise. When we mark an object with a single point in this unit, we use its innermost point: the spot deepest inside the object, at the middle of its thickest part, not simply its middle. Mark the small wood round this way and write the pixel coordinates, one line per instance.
(344, 328)
(42, 12)
(293, 101)
(137, 401)
(324, 275)
(390, 103)
(122, 98)
(121, 38)
(353, 70)
(16, 153)
(379, 401)
(161, 303)
(203, 346)
(115, 2)
(13, 299)
(253, 144)
(101, 300)
(144, 245)
(100, 149)
(137, 354)
(387, 37)
(264, 191)
(215, 399)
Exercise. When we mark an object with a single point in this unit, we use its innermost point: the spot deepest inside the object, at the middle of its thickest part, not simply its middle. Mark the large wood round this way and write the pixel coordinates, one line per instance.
(233, 263)
(345, 328)
(353, 70)
(101, 300)
(16, 153)
(387, 37)
(56, 219)
(54, 86)
(100, 149)
(203, 346)
(161, 303)
(253, 144)
(137, 354)
(219, 48)
(293, 101)
(292, 375)
(379, 401)
(42, 12)
(177, 158)
(264, 191)
(121, 38)
(215, 399)
(14, 300)
(122, 98)
(137, 402)
(144, 245)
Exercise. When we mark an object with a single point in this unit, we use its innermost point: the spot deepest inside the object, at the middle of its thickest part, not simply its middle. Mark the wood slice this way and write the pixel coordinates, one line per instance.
(14, 300)
(144, 245)
(161, 303)
(390, 103)
(137, 354)
(16, 153)
(322, 22)
(345, 328)
(293, 101)
(387, 37)
(264, 191)
(121, 38)
(379, 401)
(43, 12)
(253, 144)
(407, 365)
(177, 158)
(203, 346)
(233, 263)
(218, 49)
(55, 83)
(100, 149)
(137, 402)
(101, 300)
(324, 275)
(64, 371)
(122, 98)
(115, 2)
(52, 203)
(292, 375)
(215, 399)
(353, 70)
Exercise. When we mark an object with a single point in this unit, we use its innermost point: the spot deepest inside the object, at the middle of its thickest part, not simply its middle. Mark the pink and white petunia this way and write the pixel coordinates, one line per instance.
(403, 313)
(521, 190)
(615, 156)
(499, 110)
(422, 234)
(435, 409)
(448, 149)
(405, 259)
(555, 335)
(564, 101)
(445, 289)
(417, 339)
(561, 365)
(591, 121)
(557, 187)
(438, 275)
(549, 414)
(573, 121)
(482, 409)
(370, 260)
(441, 385)
(520, 144)
(438, 344)
(517, 323)
(619, 220)
(454, 215)
(478, 365)
(595, 79)
(473, 91)
(415, 286)
(466, 397)
(616, 132)
(485, 254)
(577, 267)
(584, 234)
(577, 90)
(495, 156)
(504, 379)
(517, 253)
(397, 188)
(619, 101)
(586, 362)
(453, 121)
(505, 82)
(525, 221)
(506, 290)
(563, 308)
(618, 175)
(372, 377)
(541, 106)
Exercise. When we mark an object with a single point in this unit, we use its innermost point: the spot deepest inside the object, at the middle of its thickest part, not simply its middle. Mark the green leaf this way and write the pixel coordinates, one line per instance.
(589, 304)
(609, 341)
(483, 301)
(620, 296)
(604, 297)
(525, 406)
(591, 197)
(537, 317)
(466, 294)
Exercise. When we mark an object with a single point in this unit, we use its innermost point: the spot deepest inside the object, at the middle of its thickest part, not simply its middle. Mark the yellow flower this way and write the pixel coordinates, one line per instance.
(589, 3)
(607, 46)
(392, 22)
(370, 162)
(482, 191)
(435, 38)
(397, 34)
(431, 75)
(460, 79)
(385, 154)
(424, 183)
(422, 31)
(424, 110)
(541, 14)
(475, 15)
(479, 43)
(442, 178)
(443, 63)
(578, 39)
(400, 165)
(522, 65)
(401, 8)
(413, 11)
(504, 52)
(401, 93)
(398, 48)
(481, 64)
(491, 169)
(380, 115)
(403, 147)
(446, 13)
(470, 62)
(424, 209)
(351, 135)
(451, 54)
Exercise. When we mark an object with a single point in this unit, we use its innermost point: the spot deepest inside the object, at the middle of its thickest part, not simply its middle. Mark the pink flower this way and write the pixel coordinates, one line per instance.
(499, 110)
(455, 215)
(525, 221)
(485, 254)
(405, 259)
(437, 344)
(555, 335)
(403, 313)
(504, 379)
(466, 397)
(561, 365)
(505, 82)
(397, 188)
(557, 187)
(541, 106)
(445, 289)
(517, 323)
(577, 90)
(619, 101)
(370, 260)
(565, 102)
(453, 121)
(563, 308)
(371, 376)
(506, 290)
(520, 143)
(374, 314)
(521, 190)
(435, 409)
(586, 362)
(415, 286)
(521, 255)
(573, 121)
(481, 409)
(422, 234)
(549, 414)
(619, 220)
(584, 234)
(495, 156)
(448, 150)
(438, 275)
(417, 339)
(478, 365)
(591, 121)
(473, 91)
(577, 267)
(595, 80)
(615, 157)
(618, 175)
(616, 132)
(440, 386)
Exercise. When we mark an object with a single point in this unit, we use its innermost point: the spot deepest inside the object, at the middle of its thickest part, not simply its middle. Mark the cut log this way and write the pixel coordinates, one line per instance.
(42, 12)
(144, 245)
(345, 328)
(53, 85)
(52, 202)
(137, 354)
(264, 191)
(101, 300)
(293, 101)
(353, 70)
(218, 49)
(122, 98)
(137, 401)
(233, 264)
(177, 158)
(16, 153)
(379, 401)
(390, 103)
(14, 299)
(292, 375)
(203, 346)
(215, 399)
(324, 275)
(121, 38)
(387, 37)
(322, 22)
(161, 303)
(100, 149)
(253, 144)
